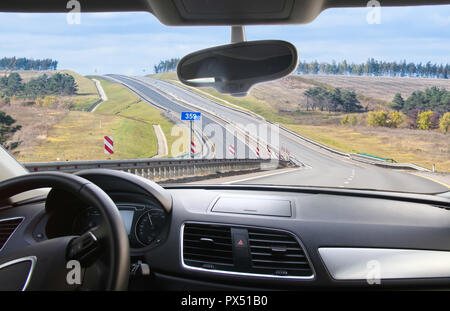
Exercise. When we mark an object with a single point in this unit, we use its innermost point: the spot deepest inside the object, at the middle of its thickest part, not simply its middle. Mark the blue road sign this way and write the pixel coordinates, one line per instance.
(191, 116)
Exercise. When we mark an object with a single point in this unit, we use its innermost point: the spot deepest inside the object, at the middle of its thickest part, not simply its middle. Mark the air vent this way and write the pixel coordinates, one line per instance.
(277, 253)
(244, 250)
(7, 228)
(208, 247)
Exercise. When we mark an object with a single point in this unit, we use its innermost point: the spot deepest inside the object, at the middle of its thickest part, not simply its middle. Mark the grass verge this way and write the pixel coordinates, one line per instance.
(423, 148)
(122, 102)
(79, 136)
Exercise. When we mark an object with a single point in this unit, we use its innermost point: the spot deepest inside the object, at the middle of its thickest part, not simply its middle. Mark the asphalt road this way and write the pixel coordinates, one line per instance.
(214, 130)
(320, 169)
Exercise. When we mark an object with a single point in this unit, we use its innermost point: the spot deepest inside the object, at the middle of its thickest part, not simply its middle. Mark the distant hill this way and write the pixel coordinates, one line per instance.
(286, 94)
(379, 88)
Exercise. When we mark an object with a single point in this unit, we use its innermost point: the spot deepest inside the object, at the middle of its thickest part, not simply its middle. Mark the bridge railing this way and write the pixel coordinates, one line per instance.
(161, 169)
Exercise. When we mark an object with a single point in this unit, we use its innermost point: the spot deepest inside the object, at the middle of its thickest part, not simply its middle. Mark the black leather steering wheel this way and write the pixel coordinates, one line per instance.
(108, 240)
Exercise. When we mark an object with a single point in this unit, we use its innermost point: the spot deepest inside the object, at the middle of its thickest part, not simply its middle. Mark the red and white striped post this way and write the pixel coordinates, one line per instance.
(192, 148)
(191, 123)
(108, 145)
(232, 150)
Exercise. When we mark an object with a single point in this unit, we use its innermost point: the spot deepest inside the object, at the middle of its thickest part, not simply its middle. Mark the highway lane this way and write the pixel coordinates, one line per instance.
(212, 129)
(321, 169)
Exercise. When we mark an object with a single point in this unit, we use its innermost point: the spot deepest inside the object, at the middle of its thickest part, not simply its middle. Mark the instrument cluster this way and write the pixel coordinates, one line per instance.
(144, 223)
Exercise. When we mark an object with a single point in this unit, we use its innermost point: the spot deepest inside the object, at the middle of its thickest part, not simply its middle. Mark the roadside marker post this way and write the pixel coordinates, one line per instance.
(232, 150)
(192, 147)
(191, 117)
(258, 154)
(191, 124)
(235, 143)
(108, 142)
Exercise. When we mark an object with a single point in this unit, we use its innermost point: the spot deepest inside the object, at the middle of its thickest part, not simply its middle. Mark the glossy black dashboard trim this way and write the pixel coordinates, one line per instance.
(397, 196)
(247, 274)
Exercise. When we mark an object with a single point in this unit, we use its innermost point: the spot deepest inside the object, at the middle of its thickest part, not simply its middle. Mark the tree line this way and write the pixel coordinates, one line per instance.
(373, 67)
(57, 84)
(166, 65)
(22, 63)
(434, 98)
(332, 100)
(423, 110)
(425, 120)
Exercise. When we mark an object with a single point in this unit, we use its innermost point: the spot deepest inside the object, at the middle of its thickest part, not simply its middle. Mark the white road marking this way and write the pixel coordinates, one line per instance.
(350, 178)
(261, 176)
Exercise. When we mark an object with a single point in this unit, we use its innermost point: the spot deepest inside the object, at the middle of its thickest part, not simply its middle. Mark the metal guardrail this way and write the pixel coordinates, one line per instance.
(370, 156)
(160, 169)
(381, 163)
(361, 157)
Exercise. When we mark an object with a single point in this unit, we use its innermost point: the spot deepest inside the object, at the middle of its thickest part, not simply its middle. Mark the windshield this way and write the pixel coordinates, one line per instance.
(367, 107)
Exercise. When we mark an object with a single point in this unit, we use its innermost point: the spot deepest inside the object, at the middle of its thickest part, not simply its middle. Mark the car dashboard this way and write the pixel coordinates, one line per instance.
(262, 237)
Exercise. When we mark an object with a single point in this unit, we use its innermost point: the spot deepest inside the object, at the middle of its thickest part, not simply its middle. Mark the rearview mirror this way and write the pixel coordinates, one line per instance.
(235, 68)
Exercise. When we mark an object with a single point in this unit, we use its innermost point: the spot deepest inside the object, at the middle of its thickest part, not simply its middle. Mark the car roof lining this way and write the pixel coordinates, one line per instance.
(207, 12)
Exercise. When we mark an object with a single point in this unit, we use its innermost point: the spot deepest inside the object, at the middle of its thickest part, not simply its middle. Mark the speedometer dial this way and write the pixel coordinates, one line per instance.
(149, 226)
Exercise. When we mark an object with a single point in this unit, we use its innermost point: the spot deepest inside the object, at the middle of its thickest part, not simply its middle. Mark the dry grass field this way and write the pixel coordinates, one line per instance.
(423, 148)
(285, 94)
(26, 75)
(35, 122)
(378, 88)
(79, 136)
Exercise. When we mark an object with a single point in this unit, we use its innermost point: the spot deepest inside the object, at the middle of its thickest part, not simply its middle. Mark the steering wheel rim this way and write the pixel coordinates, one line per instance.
(114, 234)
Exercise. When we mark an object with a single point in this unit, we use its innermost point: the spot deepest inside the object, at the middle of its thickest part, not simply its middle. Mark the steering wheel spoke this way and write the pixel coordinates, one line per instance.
(85, 249)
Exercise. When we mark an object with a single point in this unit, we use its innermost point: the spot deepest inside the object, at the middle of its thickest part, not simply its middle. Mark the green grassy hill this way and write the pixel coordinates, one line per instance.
(79, 134)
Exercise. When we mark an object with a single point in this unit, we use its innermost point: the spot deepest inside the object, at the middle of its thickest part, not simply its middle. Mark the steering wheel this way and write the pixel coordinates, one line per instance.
(102, 254)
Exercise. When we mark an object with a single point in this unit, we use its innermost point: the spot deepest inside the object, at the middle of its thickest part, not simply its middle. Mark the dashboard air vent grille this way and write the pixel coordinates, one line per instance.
(208, 246)
(7, 228)
(277, 253)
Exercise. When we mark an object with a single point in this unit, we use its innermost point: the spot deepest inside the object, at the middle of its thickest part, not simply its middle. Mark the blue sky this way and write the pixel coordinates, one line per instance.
(131, 43)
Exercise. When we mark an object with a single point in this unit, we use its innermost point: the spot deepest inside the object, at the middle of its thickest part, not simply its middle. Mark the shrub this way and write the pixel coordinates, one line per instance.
(444, 124)
(49, 101)
(424, 120)
(435, 120)
(395, 118)
(345, 120)
(39, 101)
(377, 118)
